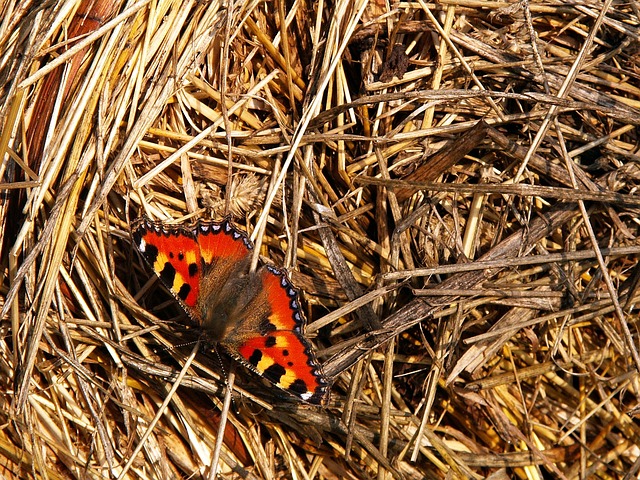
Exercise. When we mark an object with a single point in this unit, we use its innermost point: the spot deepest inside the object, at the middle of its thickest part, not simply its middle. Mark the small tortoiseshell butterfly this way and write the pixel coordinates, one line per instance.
(255, 317)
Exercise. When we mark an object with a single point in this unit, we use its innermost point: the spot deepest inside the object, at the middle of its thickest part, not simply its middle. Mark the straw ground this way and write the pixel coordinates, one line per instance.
(452, 185)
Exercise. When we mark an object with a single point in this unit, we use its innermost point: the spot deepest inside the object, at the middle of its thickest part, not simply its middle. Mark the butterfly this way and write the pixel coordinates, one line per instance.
(254, 316)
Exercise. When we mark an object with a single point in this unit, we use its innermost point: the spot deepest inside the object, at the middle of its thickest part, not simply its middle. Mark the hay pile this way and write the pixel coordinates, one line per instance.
(452, 185)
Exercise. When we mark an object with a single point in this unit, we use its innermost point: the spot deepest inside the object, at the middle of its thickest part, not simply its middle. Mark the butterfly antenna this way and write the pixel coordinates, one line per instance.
(222, 369)
(171, 348)
(226, 375)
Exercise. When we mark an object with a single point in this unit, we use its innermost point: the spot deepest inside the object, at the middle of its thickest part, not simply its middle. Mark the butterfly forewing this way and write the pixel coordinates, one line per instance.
(171, 251)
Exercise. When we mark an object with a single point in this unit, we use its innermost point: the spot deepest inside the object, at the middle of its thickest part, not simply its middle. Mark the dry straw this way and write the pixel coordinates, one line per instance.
(452, 185)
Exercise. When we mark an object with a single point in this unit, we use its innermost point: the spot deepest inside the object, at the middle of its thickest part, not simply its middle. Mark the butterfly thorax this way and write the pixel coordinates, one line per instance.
(226, 304)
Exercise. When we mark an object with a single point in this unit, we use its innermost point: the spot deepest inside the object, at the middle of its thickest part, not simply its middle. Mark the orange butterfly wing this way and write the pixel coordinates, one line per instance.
(255, 317)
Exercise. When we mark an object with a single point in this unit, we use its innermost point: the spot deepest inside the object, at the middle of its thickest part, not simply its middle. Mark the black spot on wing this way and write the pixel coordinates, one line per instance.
(255, 357)
(270, 341)
(183, 293)
(168, 274)
(151, 253)
(298, 387)
(266, 327)
(275, 372)
(193, 269)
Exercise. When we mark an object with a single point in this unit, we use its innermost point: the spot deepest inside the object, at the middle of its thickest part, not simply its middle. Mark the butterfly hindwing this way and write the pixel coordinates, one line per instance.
(280, 352)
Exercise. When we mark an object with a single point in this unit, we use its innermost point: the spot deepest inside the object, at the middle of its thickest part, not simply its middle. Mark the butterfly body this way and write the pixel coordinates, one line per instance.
(253, 316)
